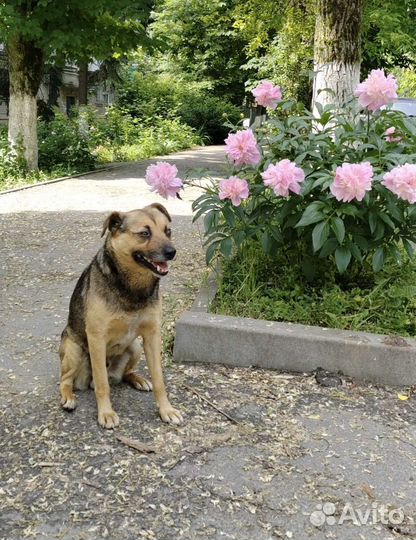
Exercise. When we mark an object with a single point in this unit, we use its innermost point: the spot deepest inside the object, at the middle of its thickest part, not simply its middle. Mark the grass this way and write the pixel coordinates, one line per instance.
(254, 285)
(25, 179)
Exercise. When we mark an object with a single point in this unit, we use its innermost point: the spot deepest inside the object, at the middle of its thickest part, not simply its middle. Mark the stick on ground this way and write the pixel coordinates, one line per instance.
(137, 445)
(230, 418)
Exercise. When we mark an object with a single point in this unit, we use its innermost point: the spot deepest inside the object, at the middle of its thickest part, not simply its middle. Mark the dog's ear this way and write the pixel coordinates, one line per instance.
(162, 209)
(113, 222)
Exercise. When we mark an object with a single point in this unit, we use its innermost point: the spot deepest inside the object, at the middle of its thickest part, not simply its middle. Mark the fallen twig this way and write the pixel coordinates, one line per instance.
(137, 445)
(48, 464)
(230, 418)
(365, 488)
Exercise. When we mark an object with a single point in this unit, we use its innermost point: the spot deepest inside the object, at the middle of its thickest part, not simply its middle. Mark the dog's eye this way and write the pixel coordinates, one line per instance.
(144, 234)
(168, 232)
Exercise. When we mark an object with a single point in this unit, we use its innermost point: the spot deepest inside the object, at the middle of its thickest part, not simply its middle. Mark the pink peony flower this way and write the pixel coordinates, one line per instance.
(283, 177)
(163, 179)
(352, 180)
(267, 94)
(402, 182)
(241, 148)
(377, 90)
(234, 188)
(388, 135)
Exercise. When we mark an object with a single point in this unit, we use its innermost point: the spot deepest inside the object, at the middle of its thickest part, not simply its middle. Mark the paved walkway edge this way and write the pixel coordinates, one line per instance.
(236, 341)
(110, 166)
(62, 178)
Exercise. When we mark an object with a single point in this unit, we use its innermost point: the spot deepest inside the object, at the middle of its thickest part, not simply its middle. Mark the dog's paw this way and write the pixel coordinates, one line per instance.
(108, 419)
(137, 382)
(170, 415)
(69, 403)
(142, 384)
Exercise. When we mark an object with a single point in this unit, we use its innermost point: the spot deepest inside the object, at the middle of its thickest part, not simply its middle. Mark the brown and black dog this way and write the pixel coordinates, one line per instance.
(116, 300)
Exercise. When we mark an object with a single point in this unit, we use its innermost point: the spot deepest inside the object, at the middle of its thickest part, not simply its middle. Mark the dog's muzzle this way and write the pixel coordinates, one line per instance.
(158, 265)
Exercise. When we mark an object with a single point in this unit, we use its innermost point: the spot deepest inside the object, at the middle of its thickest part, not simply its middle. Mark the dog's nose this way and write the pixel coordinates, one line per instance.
(169, 252)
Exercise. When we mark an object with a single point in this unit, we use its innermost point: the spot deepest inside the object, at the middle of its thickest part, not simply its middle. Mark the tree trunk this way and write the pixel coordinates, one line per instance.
(337, 50)
(83, 83)
(25, 73)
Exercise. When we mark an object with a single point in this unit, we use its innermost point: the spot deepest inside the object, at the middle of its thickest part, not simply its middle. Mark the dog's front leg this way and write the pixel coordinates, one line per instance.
(97, 348)
(152, 350)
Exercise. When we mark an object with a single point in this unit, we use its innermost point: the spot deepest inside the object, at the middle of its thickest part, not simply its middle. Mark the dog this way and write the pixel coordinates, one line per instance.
(115, 301)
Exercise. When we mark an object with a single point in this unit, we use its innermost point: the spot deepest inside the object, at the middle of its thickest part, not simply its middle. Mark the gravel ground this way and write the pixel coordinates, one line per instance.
(288, 449)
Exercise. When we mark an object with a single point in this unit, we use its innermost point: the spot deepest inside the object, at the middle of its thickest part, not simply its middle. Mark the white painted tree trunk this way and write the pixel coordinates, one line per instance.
(342, 80)
(25, 73)
(23, 127)
(337, 50)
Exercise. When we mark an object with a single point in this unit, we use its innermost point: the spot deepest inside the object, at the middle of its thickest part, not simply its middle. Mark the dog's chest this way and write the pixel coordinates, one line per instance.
(123, 331)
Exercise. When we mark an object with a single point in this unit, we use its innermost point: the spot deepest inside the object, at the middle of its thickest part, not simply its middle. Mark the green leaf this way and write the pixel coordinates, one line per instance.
(328, 248)
(312, 214)
(319, 235)
(228, 215)
(211, 252)
(411, 212)
(409, 247)
(356, 253)
(342, 258)
(372, 221)
(380, 230)
(387, 220)
(394, 211)
(378, 259)
(361, 242)
(239, 238)
(209, 220)
(349, 210)
(226, 247)
(203, 209)
(277, 235)
(338, 227)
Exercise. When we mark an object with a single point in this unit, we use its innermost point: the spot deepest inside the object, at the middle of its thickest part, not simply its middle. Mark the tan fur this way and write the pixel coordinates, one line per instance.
(112, 350)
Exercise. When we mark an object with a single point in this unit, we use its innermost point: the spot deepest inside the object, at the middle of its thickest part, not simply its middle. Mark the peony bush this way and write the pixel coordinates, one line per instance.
(339, 187)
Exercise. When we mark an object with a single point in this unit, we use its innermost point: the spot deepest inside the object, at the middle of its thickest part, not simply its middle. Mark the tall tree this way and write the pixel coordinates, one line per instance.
(389, 36)
(37, 32)
(337, 50)
(203, 41)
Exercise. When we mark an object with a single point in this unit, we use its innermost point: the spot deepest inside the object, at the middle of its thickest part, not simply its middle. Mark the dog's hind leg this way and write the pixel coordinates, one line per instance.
(73, 366)
(129, 376)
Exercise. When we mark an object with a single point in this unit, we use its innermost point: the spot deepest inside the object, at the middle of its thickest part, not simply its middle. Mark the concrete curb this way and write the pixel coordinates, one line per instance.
(236, 341)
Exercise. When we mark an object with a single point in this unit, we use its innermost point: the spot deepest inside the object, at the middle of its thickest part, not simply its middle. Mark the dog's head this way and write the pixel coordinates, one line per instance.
(142, 236)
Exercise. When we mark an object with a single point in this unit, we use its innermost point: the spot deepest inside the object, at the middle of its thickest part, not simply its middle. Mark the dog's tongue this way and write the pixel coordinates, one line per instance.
(162, 267)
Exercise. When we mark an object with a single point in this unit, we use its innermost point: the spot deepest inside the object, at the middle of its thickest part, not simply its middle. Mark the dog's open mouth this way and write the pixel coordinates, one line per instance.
(158, 267)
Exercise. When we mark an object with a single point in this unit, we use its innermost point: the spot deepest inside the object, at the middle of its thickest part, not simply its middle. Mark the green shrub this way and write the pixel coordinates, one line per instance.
(162, 136)
(165, 96)
(11, 164)
(115, 127)
(406, 79)
(13, 171)
(208, 114)
(148, 96)
(64, 144)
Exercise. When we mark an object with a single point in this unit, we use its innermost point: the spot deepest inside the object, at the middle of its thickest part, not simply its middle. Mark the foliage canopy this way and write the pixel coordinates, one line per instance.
(76, 29)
